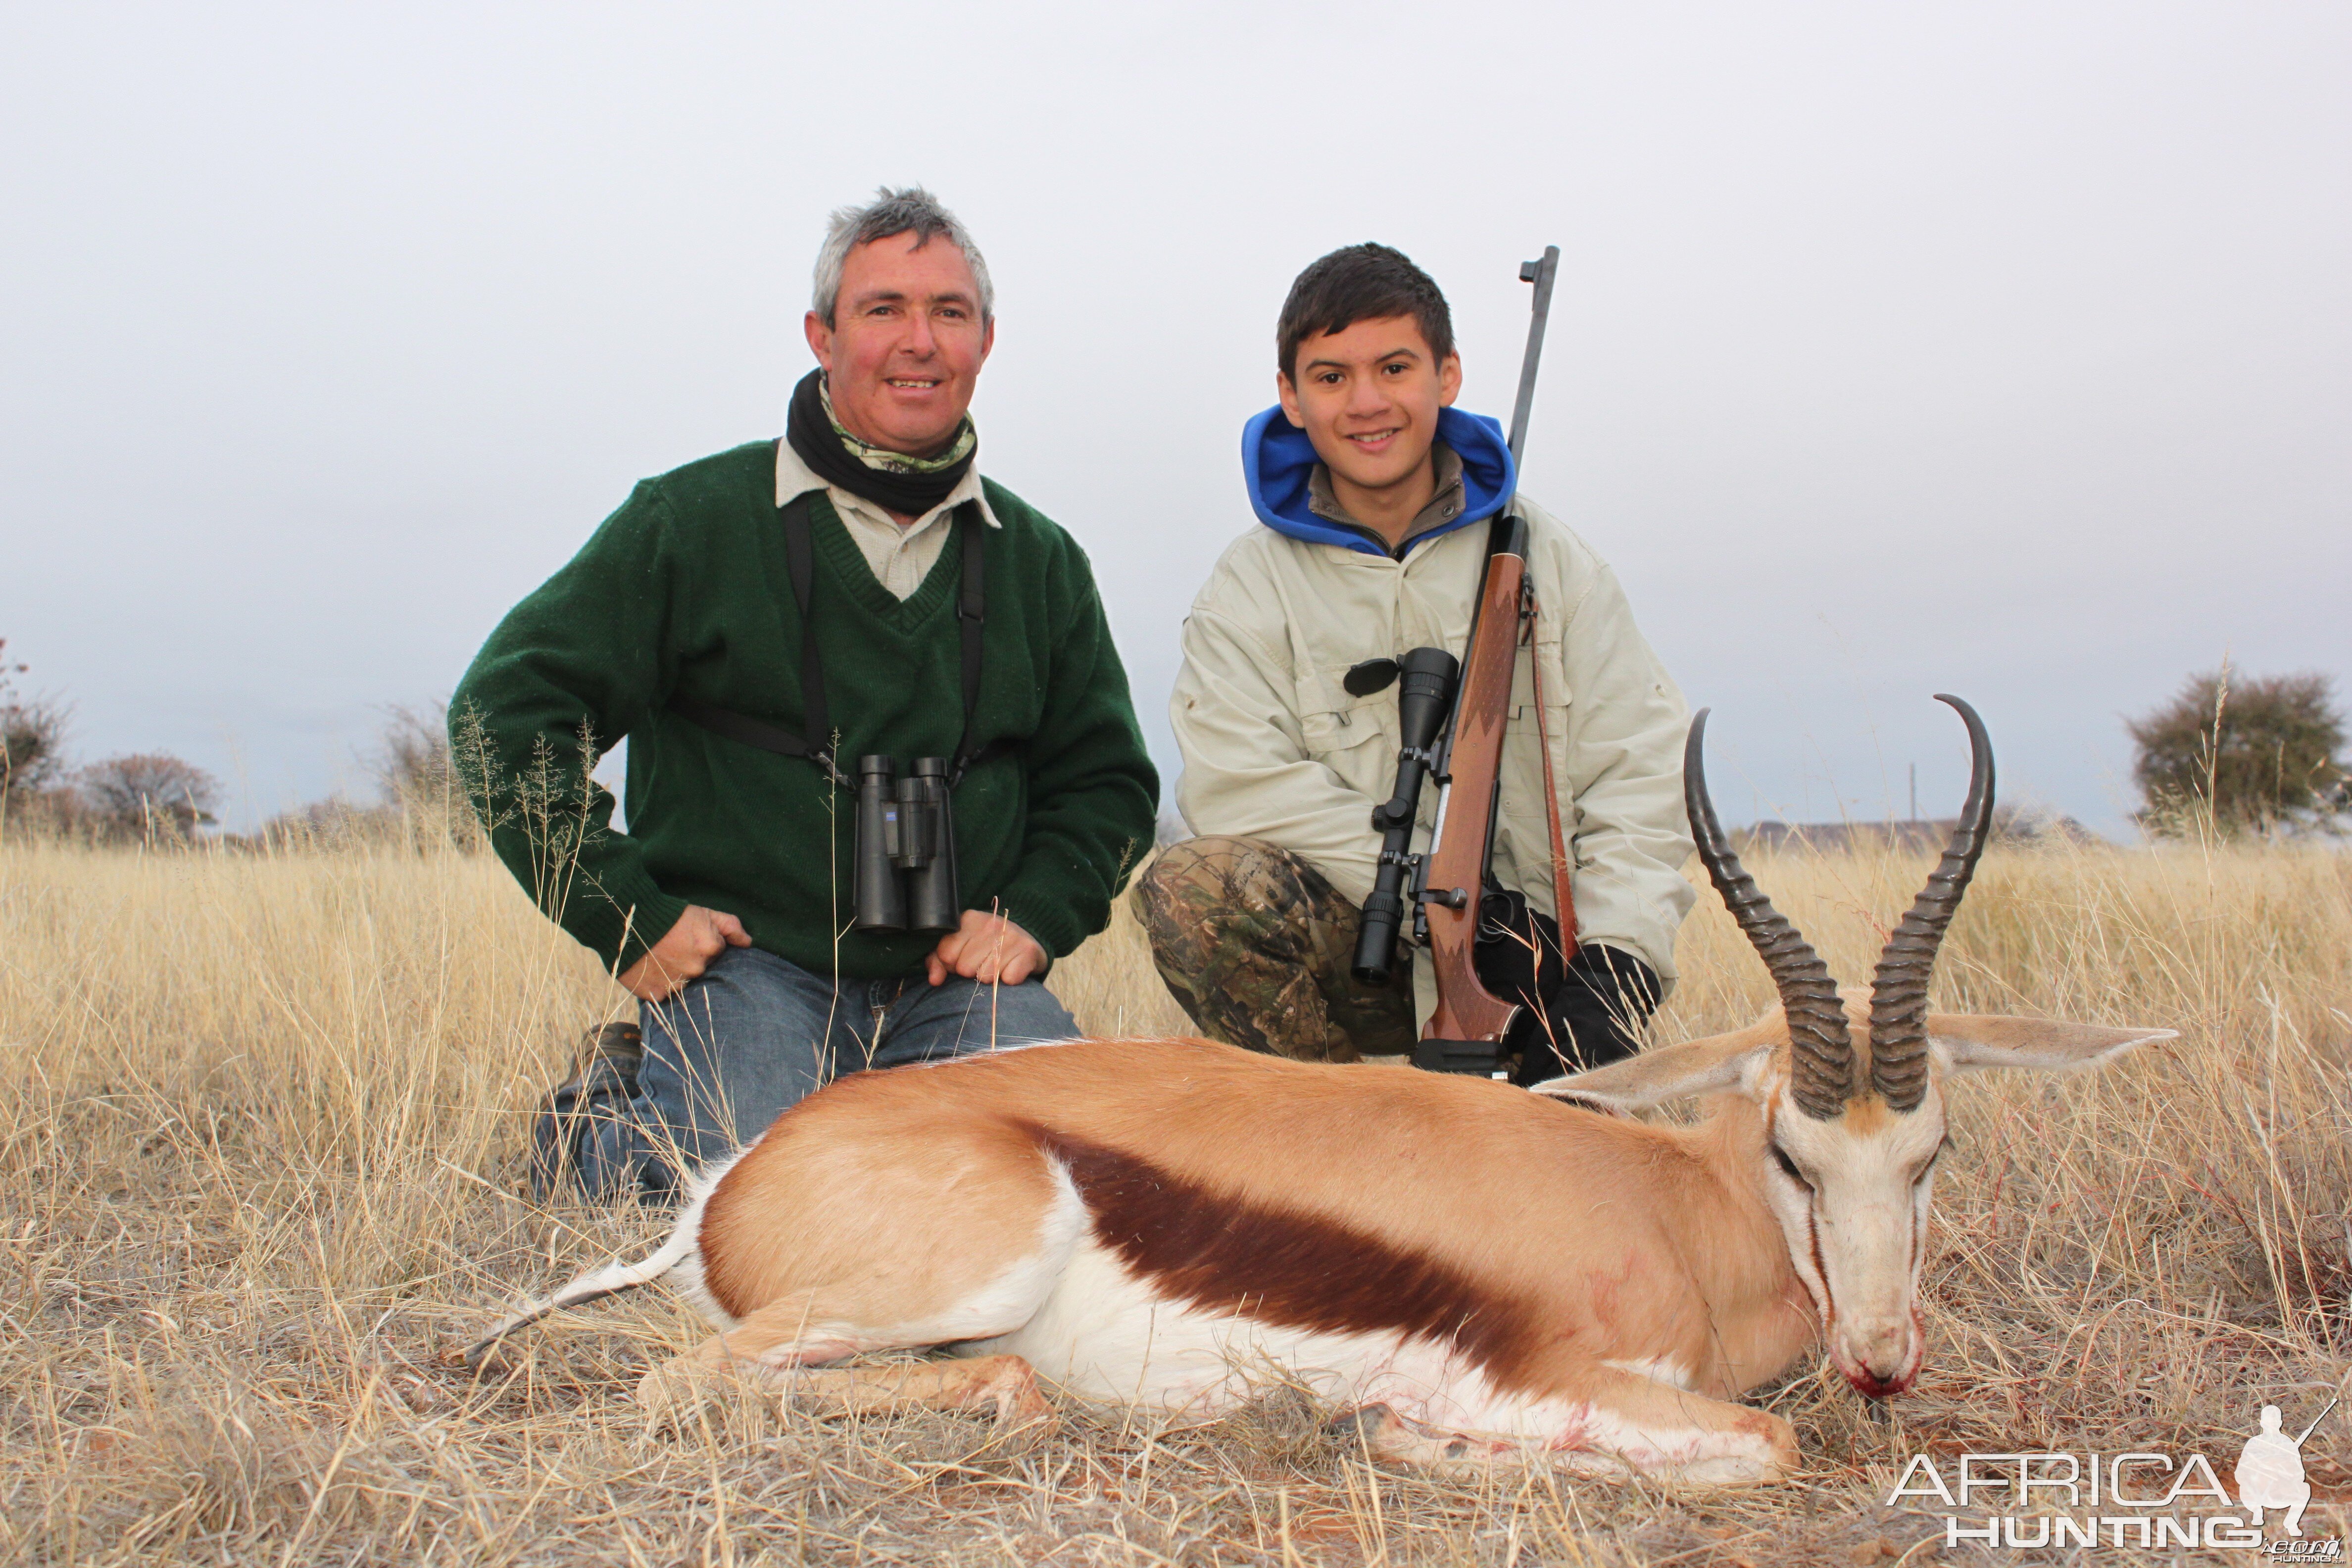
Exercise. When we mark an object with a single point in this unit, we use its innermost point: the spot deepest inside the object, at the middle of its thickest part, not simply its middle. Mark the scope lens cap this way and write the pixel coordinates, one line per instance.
(1371, 676)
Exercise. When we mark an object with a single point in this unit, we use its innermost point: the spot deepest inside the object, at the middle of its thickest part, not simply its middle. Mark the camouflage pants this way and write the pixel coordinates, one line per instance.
(1259, 948)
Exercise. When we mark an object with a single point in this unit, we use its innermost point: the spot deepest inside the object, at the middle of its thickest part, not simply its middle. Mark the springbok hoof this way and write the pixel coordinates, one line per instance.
(1023, 1412)
(1366, 1423)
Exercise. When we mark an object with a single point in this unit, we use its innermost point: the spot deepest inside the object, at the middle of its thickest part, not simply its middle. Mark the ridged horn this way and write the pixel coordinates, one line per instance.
(1821, 1048)
(1898, 991)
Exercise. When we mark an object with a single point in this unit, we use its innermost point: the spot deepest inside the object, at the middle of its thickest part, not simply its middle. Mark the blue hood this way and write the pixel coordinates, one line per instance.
(1277, 460)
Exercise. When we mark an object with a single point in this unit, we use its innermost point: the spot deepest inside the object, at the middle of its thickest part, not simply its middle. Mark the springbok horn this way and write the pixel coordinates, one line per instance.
(1820, 1050)
(1898, 992)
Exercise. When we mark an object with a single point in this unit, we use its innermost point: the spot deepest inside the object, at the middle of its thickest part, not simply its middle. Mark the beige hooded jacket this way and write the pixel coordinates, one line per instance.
(1274, 748)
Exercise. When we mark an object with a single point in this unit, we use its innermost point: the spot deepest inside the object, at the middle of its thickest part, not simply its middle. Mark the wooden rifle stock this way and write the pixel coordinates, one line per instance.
(1453, 874)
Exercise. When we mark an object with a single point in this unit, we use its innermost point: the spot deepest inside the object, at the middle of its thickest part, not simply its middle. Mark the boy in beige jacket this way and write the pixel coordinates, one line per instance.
(1369, 482)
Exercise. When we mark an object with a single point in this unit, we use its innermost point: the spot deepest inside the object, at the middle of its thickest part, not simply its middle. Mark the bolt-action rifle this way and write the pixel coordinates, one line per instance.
(1453, 716)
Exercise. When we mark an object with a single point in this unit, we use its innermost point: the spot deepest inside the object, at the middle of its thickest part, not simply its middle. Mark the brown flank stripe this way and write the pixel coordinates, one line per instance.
(1289, 1269)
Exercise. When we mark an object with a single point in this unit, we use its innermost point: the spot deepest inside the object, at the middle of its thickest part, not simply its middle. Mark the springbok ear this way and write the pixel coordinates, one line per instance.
(1972, 1042)
(1711, 1066)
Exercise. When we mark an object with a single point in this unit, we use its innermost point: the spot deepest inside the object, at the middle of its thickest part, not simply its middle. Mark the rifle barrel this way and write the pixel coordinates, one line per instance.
(1541, 273)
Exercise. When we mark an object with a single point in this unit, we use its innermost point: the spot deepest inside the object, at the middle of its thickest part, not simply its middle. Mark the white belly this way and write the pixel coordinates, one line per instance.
(1104, 1333)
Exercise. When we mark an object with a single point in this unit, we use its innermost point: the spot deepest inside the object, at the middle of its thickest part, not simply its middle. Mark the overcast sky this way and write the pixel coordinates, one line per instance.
(1989, 348)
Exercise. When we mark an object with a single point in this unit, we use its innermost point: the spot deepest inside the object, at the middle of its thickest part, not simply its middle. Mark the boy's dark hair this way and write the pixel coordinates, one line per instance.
(1360, 283)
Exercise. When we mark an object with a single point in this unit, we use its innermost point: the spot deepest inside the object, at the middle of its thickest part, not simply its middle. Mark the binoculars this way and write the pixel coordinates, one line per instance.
(905, 854)
(1425, 692)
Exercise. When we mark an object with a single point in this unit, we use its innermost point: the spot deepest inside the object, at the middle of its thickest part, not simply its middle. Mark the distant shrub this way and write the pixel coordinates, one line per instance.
(419, 804)
(2245, 754)
(35, 796)
(147, 795)
(32, 737)
(417, 777)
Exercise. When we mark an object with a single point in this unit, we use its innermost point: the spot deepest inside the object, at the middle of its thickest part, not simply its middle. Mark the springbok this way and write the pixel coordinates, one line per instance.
(1475, 1272)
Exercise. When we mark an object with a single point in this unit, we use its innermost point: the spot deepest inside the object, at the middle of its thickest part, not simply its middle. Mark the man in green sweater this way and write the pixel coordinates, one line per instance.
(755, 624)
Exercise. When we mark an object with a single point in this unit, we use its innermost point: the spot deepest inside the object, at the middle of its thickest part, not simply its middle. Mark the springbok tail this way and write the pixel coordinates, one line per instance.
(610, 1281)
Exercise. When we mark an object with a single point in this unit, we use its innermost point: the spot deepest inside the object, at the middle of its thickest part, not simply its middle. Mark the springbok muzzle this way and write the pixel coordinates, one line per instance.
(1880, 1356)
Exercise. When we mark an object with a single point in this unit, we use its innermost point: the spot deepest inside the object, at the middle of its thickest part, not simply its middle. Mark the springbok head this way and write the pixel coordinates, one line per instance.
(1850, 1134)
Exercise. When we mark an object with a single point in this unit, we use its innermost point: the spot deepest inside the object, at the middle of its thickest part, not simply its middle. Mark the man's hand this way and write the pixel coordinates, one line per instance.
(986, 948)
(685, 952)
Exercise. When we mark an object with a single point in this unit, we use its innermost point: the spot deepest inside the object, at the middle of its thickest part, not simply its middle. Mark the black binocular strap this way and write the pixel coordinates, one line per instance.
(971, 620)
(800, 561)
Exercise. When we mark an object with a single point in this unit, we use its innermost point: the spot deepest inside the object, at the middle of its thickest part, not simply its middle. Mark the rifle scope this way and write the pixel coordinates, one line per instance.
(1424, 696)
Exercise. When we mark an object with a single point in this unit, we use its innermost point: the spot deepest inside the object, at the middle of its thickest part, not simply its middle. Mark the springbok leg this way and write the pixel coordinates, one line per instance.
(1616, 1424)
(777, 1336)
(773, 1350)
(1006, 1382)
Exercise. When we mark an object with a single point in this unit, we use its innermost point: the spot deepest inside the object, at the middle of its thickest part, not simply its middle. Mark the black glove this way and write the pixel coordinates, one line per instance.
(1578, 1014)
(1597, 1014)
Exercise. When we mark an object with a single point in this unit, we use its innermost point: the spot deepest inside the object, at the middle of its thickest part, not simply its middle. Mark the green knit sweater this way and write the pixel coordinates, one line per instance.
(684, 591)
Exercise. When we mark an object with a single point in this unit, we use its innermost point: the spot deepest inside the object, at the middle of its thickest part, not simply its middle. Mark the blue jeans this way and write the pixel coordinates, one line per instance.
(756, 1034)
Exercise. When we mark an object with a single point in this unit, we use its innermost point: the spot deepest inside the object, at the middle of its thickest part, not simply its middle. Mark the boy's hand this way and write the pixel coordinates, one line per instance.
(683, 952)
(986, 948)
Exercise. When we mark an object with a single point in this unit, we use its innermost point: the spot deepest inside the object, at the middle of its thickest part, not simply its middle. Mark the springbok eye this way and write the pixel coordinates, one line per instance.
(1788, 1166)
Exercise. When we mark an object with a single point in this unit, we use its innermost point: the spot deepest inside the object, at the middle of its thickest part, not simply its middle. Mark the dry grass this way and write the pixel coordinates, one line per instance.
(260, 1128)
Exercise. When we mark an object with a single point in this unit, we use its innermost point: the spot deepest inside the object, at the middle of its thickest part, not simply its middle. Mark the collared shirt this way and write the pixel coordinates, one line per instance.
(1444, 507)
(901, 553)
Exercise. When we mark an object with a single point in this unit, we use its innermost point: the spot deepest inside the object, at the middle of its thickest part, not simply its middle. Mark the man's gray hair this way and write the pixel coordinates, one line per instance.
(914, 210)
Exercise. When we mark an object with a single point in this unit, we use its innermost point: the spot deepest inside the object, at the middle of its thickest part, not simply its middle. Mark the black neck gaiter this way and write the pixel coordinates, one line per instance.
(906, 490)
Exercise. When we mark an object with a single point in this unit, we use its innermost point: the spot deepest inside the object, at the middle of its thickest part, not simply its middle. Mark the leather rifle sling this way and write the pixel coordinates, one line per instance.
(1563, 896)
